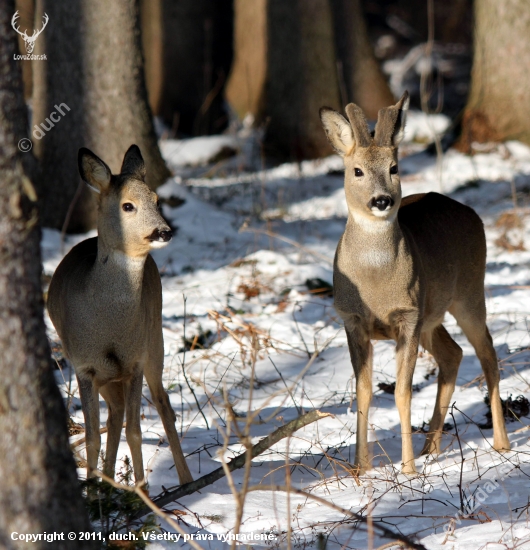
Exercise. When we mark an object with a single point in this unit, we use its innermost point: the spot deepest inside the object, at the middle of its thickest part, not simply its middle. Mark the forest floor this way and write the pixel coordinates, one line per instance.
(245, 324)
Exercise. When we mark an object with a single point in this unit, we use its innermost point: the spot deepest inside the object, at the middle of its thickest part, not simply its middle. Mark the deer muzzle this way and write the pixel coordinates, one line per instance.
(160, 236)
(382, 203)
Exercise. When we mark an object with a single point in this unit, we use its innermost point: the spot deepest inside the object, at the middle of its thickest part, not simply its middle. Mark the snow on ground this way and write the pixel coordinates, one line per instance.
(234, 280)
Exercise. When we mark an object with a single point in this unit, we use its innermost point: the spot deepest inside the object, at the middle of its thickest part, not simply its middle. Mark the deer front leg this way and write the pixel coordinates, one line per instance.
(406, 355)
(167, 414)
(90, 406)
(361, 358)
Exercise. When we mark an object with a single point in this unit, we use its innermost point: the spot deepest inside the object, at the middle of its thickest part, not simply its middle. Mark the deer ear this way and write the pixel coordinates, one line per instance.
(94, 172)
(133, 163)
(338, 131)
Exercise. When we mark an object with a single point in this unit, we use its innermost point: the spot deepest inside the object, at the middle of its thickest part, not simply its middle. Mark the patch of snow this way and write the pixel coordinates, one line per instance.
(195, 151)
(424, 127)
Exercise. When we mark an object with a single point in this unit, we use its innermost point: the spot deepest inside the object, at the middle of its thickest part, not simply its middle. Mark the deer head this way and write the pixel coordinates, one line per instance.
(29, 40)
(372, 184)
(129, 218)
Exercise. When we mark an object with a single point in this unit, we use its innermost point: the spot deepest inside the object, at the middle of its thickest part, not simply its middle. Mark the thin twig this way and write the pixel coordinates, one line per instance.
(286, 240)
(381, 528)
(298, 409)
(460, 489)
(300, 332)
(184, 368)
(149, 504)
(82, 440)
(390, 545)
(66, 222)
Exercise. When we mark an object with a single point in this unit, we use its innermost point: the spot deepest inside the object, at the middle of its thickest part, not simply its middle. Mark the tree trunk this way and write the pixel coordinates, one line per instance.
(95, 68)
(245, 88)
(361, 77)
(285, 68)
(40, 492)
(301, 77)
(26, 11)
(498, 107)
(188, 51)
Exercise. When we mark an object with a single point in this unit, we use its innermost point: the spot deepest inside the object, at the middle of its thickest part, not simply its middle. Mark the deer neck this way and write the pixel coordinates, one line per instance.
(374, 243)
(119, 274)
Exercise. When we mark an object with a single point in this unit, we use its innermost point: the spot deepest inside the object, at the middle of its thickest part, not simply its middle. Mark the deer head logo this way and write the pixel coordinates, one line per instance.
(29, 40)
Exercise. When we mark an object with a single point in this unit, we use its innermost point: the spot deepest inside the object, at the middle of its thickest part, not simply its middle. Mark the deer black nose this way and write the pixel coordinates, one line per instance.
(165, 236)
(382, 202)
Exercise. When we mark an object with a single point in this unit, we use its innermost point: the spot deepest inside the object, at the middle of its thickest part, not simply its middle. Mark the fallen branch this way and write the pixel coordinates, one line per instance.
(237, 462)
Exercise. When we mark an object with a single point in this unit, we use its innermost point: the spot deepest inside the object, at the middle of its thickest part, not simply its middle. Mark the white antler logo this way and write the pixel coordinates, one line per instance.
(29, 40)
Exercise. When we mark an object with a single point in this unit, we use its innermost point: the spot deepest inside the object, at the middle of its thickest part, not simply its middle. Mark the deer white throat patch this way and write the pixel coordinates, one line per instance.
(374, 257)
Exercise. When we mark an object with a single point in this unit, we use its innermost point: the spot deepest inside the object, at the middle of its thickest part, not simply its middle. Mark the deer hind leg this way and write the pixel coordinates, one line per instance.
(90, 405)
(113, 394)
(133, 431)
(472, 320)
(448, 355)
(361, 352)
(153, 375)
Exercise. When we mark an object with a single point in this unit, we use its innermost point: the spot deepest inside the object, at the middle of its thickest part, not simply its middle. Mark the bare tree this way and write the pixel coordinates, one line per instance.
(95, 67)
(40, 492)
(26, 10)
(498, 106)
(362, 80)
(291, 58)
(188, 50)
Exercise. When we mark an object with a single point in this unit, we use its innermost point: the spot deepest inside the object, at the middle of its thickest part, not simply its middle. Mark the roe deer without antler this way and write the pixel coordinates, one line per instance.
(399, 266)
(105, 300)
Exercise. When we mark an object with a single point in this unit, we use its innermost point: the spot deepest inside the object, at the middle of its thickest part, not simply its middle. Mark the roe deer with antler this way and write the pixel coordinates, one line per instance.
(399, 266)
(105, 300)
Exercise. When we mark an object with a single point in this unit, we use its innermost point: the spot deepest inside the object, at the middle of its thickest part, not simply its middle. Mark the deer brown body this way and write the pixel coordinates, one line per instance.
(105, 300)
(399, 267)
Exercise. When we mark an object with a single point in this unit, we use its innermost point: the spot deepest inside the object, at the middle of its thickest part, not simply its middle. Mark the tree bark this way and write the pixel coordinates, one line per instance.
(284, 70)
(95, 67)
(40, 492)
(302, 77)
(361, 77)
(188, 51)
(26, 11)
(286, 67)
(245, 88)
(498, 106)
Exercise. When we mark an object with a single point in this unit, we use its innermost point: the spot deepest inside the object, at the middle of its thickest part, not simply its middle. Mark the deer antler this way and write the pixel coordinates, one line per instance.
(36, 33)
(17, 29)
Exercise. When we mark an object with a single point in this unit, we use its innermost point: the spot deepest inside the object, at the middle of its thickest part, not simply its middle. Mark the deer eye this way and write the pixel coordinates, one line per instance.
(394, 169)
(358, 173)
(127, 207)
